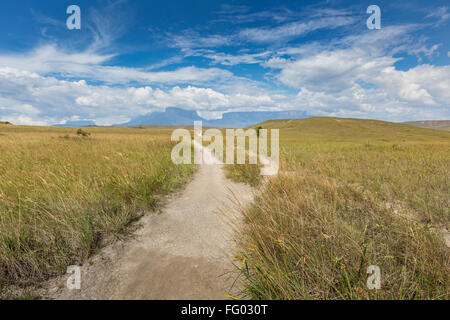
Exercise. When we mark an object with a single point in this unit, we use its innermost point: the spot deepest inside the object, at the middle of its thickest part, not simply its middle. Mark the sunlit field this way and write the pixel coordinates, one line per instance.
(62, 195)
(350, 194)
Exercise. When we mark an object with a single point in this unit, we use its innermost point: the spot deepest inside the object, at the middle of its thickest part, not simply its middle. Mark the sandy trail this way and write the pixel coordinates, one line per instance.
(185, 252)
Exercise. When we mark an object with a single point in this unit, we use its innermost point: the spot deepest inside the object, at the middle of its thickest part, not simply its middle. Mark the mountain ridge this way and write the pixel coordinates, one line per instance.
(431, 124)
(173, 116)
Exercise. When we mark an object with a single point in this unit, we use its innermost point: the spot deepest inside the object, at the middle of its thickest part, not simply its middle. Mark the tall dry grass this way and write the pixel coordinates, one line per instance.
(60, 194)
(338, 207)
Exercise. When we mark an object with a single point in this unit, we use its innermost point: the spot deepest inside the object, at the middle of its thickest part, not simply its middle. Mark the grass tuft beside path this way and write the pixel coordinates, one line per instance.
(62, 194)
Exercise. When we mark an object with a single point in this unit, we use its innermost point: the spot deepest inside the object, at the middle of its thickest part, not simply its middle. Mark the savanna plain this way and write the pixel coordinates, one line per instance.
(349, 194)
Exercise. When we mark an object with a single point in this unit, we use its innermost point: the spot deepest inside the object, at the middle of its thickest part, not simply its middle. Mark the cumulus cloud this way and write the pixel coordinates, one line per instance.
(332, 71)
(362, 80)
(422, 92)
(29, 98)
(351, 76)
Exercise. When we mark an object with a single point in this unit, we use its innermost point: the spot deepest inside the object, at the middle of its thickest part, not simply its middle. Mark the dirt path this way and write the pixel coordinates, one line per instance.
(186, 252)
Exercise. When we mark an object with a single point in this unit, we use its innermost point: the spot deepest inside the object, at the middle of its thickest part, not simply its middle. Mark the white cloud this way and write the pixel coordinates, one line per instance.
(27, 109)
(22, 120)
(419, 93)
(362, 81)
(442, 14)
(323, 19)
(231, 60)
(428, 52)
(351, 76)
(276, 63)
(332, 71)
(190, 39)
(422, 86)
(48, 59)
(197, 98)
(293, 29)
(240, 14)
(28, 98)
(89, 65)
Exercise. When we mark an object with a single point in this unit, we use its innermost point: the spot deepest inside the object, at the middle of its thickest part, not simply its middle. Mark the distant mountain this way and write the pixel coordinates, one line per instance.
(432, 124)
(180, 117)
(171, 117)
(76, 124)
(247, 119)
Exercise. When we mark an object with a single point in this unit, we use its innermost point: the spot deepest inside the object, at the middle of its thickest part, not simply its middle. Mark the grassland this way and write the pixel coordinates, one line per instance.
(62, 195)
(350, 193)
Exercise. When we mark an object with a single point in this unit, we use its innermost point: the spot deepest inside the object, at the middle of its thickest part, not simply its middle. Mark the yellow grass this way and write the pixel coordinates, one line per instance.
(61, 194)
(351, 193)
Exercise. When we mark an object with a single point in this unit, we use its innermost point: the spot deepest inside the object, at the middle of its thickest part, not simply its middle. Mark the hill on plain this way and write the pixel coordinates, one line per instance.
(343, 129)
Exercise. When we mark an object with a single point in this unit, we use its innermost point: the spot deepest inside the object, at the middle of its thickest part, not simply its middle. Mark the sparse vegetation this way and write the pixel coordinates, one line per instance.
(244, 173)
(59, 198)
(341, 203)
(81, 132)
(350, 193)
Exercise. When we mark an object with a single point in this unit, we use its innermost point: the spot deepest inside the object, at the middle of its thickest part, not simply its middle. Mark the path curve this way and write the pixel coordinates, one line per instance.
(185, 252)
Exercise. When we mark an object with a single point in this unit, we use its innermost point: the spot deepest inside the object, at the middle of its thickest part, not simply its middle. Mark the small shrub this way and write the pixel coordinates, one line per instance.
(83, 133)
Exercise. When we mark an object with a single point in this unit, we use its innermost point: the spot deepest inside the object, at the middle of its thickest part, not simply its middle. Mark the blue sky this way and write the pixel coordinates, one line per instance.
(133, 57)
